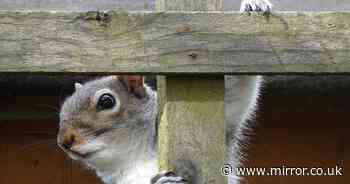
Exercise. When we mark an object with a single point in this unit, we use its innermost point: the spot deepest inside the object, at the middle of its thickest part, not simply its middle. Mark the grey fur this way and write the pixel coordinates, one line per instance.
(256, 5)
(130, 140)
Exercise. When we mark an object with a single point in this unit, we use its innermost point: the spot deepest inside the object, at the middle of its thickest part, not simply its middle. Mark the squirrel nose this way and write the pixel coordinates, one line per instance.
(69, 140)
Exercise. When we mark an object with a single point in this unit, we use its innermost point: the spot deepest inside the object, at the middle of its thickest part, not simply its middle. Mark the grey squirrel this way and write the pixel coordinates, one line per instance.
(110, 124)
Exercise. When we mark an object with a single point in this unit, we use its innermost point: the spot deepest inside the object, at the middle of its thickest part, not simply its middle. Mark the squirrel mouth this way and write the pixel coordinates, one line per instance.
(78, 155)
(78, 152)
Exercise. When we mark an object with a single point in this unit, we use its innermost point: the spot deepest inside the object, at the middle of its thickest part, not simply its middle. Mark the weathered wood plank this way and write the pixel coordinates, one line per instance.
(191, 133)
(174, 42)
(74, 5)
(228, 5)
(189, 5)
(192, 129)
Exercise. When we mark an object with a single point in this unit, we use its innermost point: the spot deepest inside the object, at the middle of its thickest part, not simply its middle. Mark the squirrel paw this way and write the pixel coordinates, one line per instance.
(168, 177)
(256, 5)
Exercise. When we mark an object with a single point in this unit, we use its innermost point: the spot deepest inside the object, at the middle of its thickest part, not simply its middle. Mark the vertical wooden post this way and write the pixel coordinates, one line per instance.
(192, 128)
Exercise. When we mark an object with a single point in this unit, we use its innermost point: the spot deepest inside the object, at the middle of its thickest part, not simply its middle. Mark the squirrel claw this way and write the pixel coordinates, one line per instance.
(256, 5)
(168, 177)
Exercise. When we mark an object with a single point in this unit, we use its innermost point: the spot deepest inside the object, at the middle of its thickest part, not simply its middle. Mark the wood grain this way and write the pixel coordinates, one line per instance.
(191, 133)
(174, 42)
(189, 5)
(192, 129)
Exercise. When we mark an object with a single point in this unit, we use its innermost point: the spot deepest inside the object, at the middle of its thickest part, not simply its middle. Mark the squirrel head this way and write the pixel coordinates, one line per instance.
(104, 118)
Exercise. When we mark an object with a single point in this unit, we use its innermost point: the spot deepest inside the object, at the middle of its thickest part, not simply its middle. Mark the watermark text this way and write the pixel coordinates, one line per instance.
(228, 169)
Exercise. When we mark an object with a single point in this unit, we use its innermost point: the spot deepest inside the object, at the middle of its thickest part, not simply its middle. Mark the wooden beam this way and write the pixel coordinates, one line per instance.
(74, 5)
(192, 129)
(189, 5)
(174, 42)
(191, 132)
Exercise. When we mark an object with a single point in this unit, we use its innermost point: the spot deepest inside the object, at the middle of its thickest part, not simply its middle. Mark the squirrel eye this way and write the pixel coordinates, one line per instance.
(106, 101)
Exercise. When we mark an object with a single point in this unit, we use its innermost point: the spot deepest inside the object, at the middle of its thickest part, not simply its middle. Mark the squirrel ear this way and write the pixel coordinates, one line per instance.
(134, 84)
(77, 86)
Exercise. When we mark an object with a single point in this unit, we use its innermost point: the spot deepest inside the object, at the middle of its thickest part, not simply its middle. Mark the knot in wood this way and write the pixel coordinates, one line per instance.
(183, 29)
